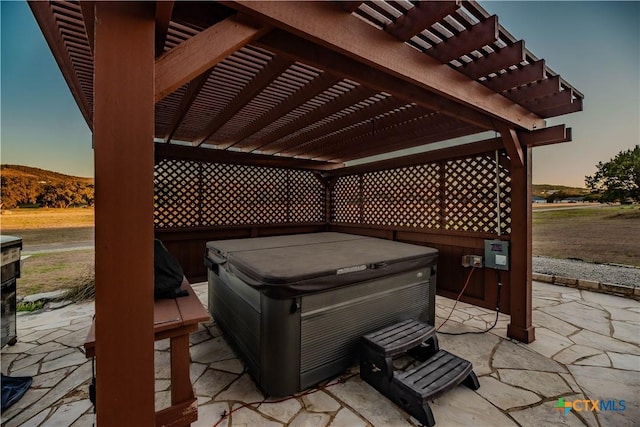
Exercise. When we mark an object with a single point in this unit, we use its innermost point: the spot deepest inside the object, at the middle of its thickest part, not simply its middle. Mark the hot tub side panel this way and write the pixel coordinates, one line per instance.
(333, 322)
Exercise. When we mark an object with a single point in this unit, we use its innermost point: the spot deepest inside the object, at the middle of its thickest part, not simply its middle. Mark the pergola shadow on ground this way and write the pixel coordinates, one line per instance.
(587, 349)
(216, 120)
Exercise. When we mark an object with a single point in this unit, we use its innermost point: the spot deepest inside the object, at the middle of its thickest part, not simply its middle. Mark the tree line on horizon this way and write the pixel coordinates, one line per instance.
(33, 187)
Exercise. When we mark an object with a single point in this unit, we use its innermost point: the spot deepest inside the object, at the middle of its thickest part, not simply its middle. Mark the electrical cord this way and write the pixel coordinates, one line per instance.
(495, 322)
(226, 414)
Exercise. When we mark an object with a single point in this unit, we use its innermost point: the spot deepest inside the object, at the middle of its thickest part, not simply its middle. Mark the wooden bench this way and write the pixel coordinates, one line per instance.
(174, 319)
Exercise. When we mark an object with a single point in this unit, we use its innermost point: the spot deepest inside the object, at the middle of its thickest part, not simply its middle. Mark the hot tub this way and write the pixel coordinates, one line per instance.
(295, 306)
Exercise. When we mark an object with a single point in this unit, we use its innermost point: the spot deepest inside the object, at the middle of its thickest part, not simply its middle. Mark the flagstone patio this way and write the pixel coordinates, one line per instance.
(587, 347)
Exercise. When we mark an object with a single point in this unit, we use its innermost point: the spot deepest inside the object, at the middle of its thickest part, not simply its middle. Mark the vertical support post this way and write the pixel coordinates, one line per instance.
(123, 135)
(520, 327)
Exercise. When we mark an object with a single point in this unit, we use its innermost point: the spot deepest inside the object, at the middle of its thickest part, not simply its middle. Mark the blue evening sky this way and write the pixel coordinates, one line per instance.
(594, 45)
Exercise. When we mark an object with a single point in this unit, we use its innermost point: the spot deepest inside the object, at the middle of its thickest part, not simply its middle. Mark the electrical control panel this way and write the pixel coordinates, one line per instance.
(496, 254)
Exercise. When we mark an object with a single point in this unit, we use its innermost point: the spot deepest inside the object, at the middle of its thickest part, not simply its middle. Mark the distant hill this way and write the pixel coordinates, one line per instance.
(46, 176)
(546, 190)
(28, 186)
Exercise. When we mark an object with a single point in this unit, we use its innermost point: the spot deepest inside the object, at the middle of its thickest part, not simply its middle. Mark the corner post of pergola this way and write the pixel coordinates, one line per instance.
(520, 301)
(123, 149)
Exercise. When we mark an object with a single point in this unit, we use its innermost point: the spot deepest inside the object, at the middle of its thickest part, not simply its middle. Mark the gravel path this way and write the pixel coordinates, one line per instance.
(604, 273)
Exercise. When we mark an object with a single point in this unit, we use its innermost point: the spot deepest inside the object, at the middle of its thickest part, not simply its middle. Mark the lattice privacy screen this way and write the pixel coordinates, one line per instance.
(449, 195)
(196, 194)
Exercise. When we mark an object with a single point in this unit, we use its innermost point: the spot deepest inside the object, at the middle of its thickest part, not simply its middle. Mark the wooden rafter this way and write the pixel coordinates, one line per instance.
(305, 141)
(318, 85)
(534, 90)
(44, 16)
(365, 44)
(194, 56)
(552, 135)
(269, 73)
(420, 17)
(164, 10)
(482, 34)
(193, 89)
(350, 6)
(569, 108)
(514, 78)
(502, 59)
(367, 132)
(270, 141)
(416, 136)
(304, 51)
(555, 100)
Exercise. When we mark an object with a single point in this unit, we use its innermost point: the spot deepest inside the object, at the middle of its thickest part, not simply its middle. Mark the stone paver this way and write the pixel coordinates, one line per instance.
(587, 347)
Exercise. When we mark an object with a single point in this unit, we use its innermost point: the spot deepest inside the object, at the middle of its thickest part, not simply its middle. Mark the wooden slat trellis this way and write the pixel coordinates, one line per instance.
(458, 195)
(194, 194)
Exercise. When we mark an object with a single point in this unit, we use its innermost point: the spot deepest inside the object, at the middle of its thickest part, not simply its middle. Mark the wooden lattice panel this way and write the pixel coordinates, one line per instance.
(306, 197)
(406, 197)
(457, 195)
(177, 194)
(194, 194)
(470, 195)
(346, 200)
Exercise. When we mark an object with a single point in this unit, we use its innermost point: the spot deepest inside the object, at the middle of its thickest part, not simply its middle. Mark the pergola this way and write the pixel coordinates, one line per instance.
(236, 119)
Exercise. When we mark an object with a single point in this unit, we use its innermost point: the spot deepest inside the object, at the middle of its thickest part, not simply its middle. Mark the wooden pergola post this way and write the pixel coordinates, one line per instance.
(123, 148)
(521, 327)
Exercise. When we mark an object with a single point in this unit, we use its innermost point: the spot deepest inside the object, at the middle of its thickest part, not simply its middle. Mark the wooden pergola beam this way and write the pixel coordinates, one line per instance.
(420, 17)
(180, 152)
(555, 100)
(502, 59)
(481, 34)
(513, 147)
(514, 78)
(459, 151)
(547, 136)
(268, 74)
(375, 49)
(572, 107)
(534, 90)
(201, 52)
(437, 134)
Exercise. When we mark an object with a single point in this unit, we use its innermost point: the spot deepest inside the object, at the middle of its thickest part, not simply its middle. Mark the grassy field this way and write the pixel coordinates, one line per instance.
(39, 228)
(593, 233)
(608, 234)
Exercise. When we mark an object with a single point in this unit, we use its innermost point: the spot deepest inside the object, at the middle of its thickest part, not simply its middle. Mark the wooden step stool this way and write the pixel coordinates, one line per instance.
(438, 372)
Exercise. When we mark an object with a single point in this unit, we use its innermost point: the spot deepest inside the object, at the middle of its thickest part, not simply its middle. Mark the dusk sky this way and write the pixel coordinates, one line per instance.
(595, 46)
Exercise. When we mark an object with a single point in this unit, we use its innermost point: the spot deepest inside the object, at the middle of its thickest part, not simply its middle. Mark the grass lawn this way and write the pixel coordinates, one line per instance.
(597, 234)
(47, 272)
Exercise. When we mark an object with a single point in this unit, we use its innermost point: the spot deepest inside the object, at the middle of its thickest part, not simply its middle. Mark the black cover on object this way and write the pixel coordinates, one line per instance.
(318, 261)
